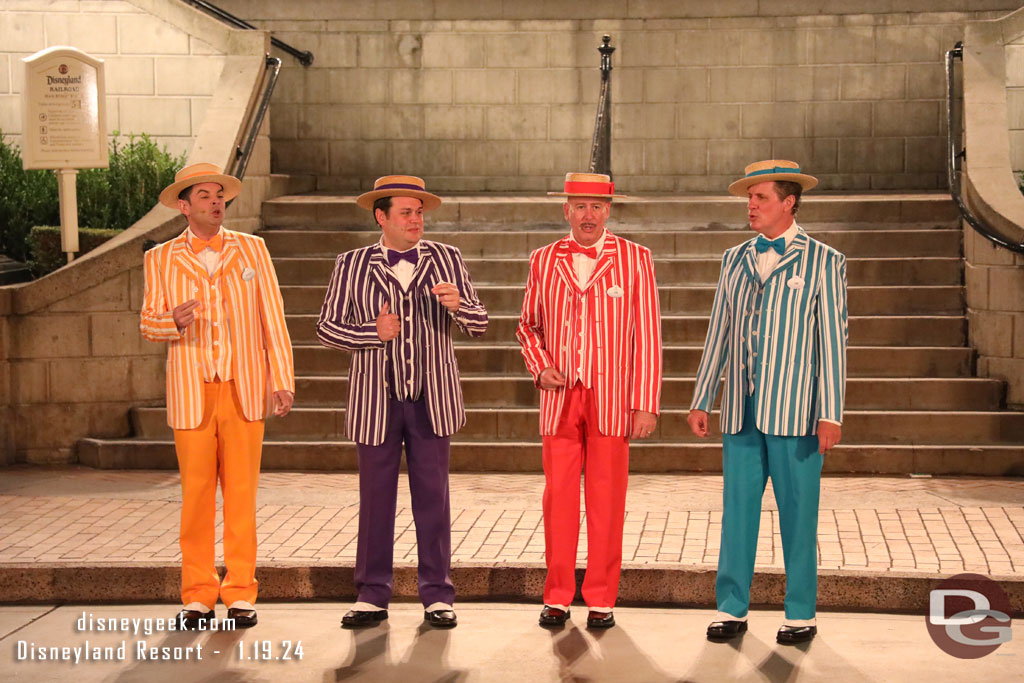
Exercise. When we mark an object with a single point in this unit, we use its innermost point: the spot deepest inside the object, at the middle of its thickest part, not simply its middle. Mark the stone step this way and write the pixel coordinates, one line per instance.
(519, 424)
(862, 393)
(691, 299)
(665, 243)
(929, 271)
(331, 210)
(682, 329)
(506, 359)
(646, 457)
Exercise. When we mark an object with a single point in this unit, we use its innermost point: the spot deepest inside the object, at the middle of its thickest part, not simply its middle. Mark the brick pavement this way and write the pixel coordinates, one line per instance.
(875, 524)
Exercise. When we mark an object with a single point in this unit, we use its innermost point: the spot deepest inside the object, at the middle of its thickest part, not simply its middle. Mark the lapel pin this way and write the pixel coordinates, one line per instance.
(795, 282)
(248, 274)
(615, 292)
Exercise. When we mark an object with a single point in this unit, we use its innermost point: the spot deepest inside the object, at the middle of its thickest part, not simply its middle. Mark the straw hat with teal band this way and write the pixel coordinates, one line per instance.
(772, 169)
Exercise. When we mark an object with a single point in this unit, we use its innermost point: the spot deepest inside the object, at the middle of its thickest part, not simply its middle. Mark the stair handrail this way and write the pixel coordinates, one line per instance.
(305, 57)
(601, 146)
(955, 157)
(244, 151)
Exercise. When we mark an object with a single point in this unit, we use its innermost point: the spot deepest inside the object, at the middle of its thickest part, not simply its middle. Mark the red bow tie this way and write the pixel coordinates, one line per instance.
(575, 248)
(216, 243)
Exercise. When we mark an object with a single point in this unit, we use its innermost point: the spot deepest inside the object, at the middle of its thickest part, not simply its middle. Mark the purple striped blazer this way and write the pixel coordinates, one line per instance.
(360, 285)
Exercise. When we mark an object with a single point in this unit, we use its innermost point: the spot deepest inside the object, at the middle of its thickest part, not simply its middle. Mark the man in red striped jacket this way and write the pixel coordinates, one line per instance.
(591, 335)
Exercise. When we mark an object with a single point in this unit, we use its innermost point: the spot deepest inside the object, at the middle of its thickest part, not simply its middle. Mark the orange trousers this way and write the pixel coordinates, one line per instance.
(226, 447)
(577, 446)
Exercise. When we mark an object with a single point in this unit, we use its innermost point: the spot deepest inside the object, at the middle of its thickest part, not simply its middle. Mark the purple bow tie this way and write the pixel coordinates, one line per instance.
(395, 256)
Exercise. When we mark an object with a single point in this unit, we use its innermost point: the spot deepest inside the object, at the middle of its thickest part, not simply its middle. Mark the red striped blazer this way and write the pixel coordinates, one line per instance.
(620, 332)
(245, 288)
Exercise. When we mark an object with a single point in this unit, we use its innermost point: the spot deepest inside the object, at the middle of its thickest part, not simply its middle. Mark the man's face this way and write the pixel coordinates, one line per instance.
(768, 214)
(204, 208)
(587, 216)
(402, 225)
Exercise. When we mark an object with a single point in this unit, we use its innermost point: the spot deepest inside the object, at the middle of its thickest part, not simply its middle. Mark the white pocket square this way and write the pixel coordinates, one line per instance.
(795, 282)
(615, 292)
(248, 274)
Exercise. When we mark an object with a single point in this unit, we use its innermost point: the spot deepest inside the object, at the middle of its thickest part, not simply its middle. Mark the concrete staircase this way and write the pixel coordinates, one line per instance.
(914, 405)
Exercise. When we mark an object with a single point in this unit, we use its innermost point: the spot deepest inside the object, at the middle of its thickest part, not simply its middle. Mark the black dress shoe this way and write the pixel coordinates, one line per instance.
(190, 619)
(243, 618)
(359, 619)
(552, 616)
(725, 630)
(792, 635)
(441, 618)
(600, 620)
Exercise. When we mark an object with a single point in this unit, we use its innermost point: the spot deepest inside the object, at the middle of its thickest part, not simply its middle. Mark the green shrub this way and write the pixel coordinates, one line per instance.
(44, 242)
(27, 198)
(108, 198)
(118, 196)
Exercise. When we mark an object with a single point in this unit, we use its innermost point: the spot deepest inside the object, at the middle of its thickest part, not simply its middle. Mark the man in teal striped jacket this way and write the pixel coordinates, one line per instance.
(778, 330)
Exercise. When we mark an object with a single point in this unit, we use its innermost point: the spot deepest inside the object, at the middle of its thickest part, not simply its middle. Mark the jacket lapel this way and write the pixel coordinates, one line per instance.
(230, 256)
(748, 261)
(563, 264)
(424, 269)
(182, 257)
(379, 270)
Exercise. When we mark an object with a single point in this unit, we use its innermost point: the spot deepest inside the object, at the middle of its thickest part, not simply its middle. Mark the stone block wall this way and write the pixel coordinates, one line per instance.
(72, 361)
(501, 95)
(159, 78)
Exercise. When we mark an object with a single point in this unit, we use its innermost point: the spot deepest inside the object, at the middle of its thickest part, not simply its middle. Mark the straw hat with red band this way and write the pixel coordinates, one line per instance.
(196, 174)
(588, 185)
(399, 186)
(772, 169)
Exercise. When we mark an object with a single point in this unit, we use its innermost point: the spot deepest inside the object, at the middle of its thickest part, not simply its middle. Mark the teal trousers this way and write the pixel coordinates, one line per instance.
(794, 465)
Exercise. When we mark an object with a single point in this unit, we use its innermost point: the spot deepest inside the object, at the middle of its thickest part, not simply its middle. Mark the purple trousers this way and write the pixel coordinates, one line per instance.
(426, 457)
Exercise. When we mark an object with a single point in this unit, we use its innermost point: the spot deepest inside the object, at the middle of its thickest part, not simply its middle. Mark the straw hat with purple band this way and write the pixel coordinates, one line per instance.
(772, 169)
(199, 173)
(399, 186)
(588, 185)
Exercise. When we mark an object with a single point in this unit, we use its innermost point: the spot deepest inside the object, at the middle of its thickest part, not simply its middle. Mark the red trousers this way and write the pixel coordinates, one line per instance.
(577, 446)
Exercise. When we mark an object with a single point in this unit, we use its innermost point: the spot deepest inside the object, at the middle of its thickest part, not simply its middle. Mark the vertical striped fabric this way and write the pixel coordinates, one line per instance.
(240, 304)
(801, 339)
(613, 341)
(360, 285)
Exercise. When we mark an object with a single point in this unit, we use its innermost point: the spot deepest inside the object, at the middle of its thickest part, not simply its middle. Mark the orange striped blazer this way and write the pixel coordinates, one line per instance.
(245, 287)
(611, 330)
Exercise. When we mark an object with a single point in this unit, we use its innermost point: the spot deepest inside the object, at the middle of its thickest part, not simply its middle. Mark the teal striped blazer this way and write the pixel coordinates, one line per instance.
(802, 337)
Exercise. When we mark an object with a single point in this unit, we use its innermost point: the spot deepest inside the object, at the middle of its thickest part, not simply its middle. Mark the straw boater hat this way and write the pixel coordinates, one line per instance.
(399, 186)
(588, 185)
(772, 169)
(199, 173)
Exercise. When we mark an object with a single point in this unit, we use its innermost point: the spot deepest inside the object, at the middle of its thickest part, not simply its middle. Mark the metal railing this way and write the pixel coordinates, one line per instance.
(601, 147)
(244, 151)
(956, 157)
(304, 56)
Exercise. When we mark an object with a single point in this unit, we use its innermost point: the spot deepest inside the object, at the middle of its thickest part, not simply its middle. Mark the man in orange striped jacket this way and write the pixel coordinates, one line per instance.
(591, 335)
(213, 295)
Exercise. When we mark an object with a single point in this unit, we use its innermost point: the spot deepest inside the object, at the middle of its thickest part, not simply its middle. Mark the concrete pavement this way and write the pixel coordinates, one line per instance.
(493, 642)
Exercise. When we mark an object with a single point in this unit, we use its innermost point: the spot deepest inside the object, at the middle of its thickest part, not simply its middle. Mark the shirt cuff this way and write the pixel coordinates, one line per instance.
(835, 422)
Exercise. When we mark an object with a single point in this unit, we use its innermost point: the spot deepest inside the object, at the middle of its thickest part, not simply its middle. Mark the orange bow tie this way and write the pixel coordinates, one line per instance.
(216, 243)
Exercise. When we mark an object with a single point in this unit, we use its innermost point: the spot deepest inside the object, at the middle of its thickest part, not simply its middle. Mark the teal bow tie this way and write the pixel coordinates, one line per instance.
(762, 245)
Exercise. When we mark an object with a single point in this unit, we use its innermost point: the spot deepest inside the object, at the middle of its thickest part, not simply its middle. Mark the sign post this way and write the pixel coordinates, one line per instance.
(64, 124)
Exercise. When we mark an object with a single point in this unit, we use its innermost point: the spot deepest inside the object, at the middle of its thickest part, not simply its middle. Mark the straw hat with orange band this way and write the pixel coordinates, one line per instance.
(195, 174)
(588, 185)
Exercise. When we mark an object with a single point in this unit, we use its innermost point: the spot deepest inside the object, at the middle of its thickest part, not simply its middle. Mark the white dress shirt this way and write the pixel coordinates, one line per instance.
(208, 257)
(583, 264)
(767, 261)
(403, 269)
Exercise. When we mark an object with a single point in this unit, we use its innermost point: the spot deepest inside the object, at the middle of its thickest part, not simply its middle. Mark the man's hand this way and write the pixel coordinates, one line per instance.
(698, 421)
(185, 314)
(283, 401)
(643, 424)
(448, 295)
(388, 326)
(829, 434)
(551, 378)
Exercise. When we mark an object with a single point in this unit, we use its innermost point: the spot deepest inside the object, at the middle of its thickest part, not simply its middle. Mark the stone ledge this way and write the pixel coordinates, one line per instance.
(684, 586)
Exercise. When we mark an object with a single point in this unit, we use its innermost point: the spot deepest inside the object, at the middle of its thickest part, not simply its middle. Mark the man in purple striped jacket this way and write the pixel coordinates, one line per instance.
(392, 304)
